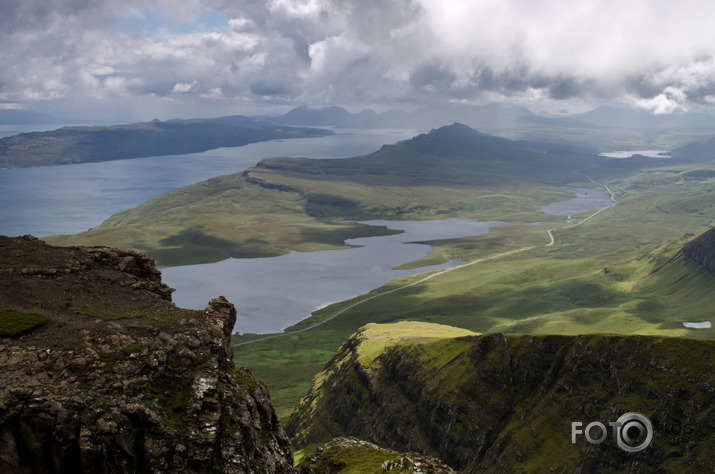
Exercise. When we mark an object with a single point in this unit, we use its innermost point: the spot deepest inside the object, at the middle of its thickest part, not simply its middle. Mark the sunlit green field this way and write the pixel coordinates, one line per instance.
(599, 277)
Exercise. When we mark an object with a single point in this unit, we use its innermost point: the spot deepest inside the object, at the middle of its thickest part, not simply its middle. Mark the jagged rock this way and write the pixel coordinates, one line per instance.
(357, 455)
(120, 380)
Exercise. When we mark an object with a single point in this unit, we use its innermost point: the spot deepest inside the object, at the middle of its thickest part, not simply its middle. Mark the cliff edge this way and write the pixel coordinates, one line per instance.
(506, 403)
(103, 373)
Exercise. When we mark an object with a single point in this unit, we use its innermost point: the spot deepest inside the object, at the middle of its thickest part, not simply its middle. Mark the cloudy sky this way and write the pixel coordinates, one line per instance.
(168, 58)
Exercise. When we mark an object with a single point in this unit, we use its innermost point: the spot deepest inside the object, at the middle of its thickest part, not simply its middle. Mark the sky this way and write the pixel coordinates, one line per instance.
(181, 58)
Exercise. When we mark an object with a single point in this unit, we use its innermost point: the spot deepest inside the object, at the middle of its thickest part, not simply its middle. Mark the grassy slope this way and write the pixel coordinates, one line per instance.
(216, 219)
(521, 400)
(300, 204)
(597, 278)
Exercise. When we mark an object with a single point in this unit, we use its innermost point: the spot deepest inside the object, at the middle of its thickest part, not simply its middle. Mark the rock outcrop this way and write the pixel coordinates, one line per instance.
(120, 380)
(496, 403)
(355, 455)
(702, 250)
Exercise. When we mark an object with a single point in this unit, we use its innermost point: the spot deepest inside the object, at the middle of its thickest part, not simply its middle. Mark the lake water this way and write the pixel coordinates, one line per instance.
(586, 199)
(72, 198)
(271, 294)
(274, 293)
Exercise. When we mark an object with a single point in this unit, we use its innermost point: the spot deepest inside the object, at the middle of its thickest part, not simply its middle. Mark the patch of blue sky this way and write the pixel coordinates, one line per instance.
(156, 24)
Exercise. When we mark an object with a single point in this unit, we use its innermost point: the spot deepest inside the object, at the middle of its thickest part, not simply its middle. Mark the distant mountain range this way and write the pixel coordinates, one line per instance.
(624, 117)
(476, 116)
(606, 128)
(493, 116)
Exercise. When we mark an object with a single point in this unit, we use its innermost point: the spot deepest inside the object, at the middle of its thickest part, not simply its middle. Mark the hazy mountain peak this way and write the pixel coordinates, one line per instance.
(463, 133)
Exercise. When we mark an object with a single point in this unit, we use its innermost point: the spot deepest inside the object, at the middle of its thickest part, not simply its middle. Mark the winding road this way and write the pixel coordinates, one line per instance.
(550, 233)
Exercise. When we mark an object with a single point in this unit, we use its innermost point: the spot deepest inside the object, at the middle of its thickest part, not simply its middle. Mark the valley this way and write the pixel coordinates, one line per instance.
(344, 237)
(285, 204)
(595, 278)
(637, 267)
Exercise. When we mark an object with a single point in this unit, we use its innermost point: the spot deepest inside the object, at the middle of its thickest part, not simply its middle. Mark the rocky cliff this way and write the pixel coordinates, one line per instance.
(499, 403)
(102, 373)
(702, 250)
(354, 455)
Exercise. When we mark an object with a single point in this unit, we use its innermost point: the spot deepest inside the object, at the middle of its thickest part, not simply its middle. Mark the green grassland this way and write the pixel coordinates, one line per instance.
(620, 273)
(444, 390)
(301, 204)
(607, 275)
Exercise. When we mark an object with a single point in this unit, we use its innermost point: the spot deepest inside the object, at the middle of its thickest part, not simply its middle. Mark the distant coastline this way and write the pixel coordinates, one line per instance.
(68, 145)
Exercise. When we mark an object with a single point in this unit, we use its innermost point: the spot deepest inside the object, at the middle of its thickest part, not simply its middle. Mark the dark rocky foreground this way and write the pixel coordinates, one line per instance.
(102, 373)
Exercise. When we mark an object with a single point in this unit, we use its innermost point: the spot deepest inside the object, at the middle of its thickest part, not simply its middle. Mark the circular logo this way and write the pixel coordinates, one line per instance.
(634, 432)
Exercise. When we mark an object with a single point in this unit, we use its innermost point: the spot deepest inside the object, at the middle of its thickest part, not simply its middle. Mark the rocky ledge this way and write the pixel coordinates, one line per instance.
(107, 375)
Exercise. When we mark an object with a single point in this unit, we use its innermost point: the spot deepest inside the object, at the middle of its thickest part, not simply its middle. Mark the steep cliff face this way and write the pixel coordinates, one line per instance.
(506, 403)
(702, 250)
(116, 378)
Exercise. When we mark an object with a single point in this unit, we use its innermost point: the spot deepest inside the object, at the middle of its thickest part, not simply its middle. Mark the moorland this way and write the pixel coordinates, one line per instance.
(620, 271)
